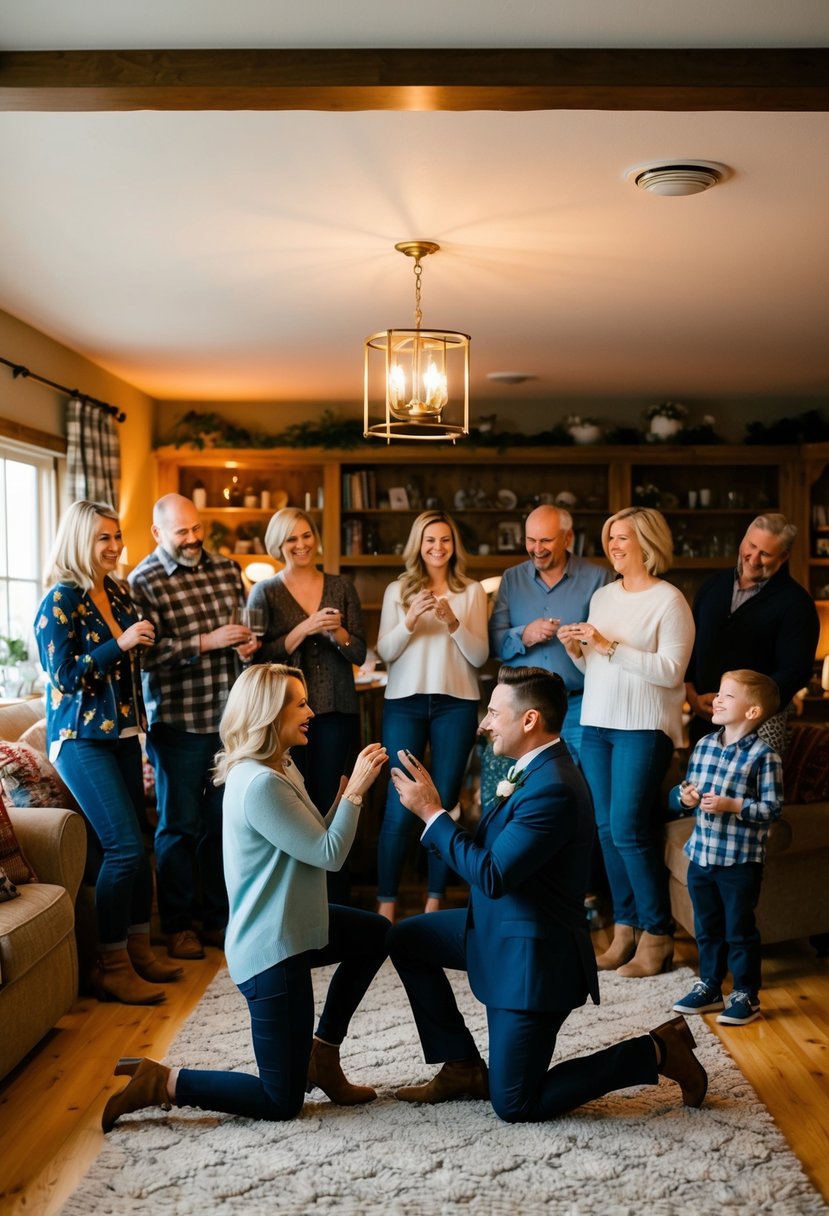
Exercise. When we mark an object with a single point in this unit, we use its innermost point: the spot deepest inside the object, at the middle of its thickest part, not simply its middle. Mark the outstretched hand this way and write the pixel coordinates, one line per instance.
(415, 787)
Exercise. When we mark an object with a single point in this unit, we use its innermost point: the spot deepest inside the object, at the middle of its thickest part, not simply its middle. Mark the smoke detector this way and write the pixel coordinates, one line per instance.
(678, 178)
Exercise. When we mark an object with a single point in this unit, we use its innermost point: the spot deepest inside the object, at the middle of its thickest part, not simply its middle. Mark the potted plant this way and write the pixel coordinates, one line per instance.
(666, 419)
(583, 428)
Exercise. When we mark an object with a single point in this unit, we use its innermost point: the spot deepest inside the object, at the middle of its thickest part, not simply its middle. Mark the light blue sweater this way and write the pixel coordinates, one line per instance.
(277, 847)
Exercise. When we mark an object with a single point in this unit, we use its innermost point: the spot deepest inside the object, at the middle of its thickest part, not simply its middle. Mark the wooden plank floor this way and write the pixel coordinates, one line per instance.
(50, 1106)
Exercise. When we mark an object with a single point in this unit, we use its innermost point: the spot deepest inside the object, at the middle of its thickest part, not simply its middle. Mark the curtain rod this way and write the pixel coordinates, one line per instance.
(19, 370)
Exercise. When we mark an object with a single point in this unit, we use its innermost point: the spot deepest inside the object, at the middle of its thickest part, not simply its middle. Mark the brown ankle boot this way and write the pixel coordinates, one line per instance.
(148, 1087)
(620, 949)
(456, 1079)
(325, 1072)
(115, 979)
(654, 954)
(677, 1060)
(148, 965)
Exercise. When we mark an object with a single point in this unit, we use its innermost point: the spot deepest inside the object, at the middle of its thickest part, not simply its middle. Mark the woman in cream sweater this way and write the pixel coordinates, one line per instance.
(634, 649)
(433, 637)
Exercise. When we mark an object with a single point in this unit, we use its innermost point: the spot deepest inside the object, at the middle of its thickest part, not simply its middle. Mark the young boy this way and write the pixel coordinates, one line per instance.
(735, 785)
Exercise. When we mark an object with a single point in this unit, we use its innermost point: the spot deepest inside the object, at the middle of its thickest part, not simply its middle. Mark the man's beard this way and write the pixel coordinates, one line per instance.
(188, 555)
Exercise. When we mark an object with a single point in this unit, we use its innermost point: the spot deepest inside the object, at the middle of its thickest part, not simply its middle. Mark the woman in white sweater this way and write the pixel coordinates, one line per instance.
(634, 649)
(433, 637)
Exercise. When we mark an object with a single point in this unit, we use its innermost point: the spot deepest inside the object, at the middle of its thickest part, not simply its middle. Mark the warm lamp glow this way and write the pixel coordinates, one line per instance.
(823, 641)
(824, 679)
(255, 572)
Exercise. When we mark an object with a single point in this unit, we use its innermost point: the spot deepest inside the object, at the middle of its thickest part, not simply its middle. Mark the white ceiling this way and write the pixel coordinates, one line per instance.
(245, 255)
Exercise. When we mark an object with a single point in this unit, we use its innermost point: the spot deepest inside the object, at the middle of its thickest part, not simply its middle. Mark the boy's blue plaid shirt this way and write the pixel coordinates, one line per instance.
(747, 769)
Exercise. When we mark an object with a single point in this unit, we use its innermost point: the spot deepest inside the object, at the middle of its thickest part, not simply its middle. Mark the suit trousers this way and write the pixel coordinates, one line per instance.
(522, 1086)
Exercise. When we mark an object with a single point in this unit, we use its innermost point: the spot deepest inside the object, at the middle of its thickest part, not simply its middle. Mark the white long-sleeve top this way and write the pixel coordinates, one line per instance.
(642, 687)
(431, 659)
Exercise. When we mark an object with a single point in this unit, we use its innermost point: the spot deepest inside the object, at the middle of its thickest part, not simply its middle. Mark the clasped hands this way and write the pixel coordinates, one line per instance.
(714, 804)
(426, 601)
(576, 638)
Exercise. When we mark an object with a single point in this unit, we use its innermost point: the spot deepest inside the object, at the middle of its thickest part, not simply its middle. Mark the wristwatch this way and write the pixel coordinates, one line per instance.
(612, 650)
(354, 799)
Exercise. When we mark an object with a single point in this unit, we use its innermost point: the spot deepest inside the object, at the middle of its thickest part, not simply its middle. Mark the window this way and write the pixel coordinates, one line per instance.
(28, 506)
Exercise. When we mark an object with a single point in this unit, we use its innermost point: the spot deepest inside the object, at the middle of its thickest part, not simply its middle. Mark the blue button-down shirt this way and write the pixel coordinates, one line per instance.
(523, 596)
(747, 769)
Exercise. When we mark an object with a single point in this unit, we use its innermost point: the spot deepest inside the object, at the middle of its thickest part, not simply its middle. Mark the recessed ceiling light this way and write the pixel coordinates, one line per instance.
(511, 377)
(678, 178)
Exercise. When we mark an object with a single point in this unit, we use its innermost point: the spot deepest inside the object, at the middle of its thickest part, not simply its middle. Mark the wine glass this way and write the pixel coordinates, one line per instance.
(252, 618)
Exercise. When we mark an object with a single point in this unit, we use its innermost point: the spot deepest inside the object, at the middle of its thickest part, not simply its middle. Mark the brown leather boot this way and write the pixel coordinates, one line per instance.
(148, 1087)
(622, 948)
(456, 1079)
(676, 1047)
(654, 954)
(325, 1072)
(114, 979)
(147, 964)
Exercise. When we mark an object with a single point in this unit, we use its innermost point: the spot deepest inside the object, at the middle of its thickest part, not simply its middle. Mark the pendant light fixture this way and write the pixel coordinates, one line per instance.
(416, 380)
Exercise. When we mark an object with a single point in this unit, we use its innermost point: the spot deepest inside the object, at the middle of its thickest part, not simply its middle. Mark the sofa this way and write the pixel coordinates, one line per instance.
(38, 952)
(794, 899)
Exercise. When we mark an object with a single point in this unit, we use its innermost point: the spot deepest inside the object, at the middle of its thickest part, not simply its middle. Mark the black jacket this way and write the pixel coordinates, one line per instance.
(774, 632)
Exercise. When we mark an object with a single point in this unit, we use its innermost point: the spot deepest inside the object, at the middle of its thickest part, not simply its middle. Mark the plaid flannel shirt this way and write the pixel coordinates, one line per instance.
(182, 687)
(747, 769)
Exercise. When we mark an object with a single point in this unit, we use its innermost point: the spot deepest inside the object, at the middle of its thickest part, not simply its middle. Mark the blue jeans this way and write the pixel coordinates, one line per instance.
(281, 1005)
(188, 838)
(724, 899)
(448, 725)
(108, 784)
(624, 769)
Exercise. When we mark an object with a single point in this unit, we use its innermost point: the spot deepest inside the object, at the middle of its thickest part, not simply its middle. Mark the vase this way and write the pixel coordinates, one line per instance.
(586, 432)
(665, 428)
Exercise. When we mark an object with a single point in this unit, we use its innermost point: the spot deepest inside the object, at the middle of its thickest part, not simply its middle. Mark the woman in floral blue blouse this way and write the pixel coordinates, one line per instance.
(89, 637)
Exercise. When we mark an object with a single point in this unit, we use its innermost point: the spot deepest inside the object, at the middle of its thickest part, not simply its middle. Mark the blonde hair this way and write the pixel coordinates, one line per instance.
(280, 527)
(652, 532)
(249, 727)
(761, 690)
(414, 578)
(71, 558)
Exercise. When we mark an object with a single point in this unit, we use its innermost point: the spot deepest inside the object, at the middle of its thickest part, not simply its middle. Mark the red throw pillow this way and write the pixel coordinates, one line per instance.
(29, 779)
(12, 859)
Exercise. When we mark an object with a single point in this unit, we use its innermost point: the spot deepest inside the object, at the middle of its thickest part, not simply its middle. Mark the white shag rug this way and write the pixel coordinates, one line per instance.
(638, 1151)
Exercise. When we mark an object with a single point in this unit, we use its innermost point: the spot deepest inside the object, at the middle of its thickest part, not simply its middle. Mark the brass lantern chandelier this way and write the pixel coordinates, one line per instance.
(421, 376)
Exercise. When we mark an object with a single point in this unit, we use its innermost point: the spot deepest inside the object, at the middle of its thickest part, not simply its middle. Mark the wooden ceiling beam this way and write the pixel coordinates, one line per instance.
(393, 79)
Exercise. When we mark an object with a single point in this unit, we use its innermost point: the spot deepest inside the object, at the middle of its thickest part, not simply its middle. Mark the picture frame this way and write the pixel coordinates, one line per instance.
(398, 498)
(510, 536)
(822, 546)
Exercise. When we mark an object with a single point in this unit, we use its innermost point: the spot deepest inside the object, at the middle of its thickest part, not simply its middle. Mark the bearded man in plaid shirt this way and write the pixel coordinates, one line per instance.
(734, 783)
(191, 596)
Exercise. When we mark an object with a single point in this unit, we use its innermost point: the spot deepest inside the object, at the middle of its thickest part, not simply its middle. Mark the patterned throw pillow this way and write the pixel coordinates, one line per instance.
(12, 860)
(28, 779)
(7, 888)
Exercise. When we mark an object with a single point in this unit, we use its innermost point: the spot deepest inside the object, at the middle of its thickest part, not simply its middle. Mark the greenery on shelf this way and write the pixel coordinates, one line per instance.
(810, 427)
(207, 430)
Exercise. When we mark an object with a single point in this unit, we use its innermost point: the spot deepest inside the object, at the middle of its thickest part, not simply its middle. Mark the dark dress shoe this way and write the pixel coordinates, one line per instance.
(676, 1045)
(184, 944)
(456, 1079)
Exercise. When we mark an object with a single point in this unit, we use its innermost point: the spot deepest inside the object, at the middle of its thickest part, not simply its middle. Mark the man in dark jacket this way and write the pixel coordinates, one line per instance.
(754, 617)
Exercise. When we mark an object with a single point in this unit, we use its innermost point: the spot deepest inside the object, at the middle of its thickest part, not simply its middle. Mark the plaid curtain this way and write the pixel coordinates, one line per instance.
(93, 455)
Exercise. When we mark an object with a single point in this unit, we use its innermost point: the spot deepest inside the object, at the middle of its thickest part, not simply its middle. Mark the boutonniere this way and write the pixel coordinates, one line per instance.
(511, 783)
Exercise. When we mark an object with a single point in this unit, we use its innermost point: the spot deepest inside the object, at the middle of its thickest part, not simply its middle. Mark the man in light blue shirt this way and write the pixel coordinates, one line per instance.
(554, 587)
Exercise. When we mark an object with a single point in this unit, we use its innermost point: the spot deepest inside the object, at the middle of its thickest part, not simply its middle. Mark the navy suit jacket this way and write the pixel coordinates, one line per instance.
(527, 941)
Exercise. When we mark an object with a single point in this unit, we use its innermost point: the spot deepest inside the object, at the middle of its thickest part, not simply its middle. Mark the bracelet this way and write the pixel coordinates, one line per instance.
(612, 651)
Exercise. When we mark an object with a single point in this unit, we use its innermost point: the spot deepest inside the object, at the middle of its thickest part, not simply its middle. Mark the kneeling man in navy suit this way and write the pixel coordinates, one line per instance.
(523, 940)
